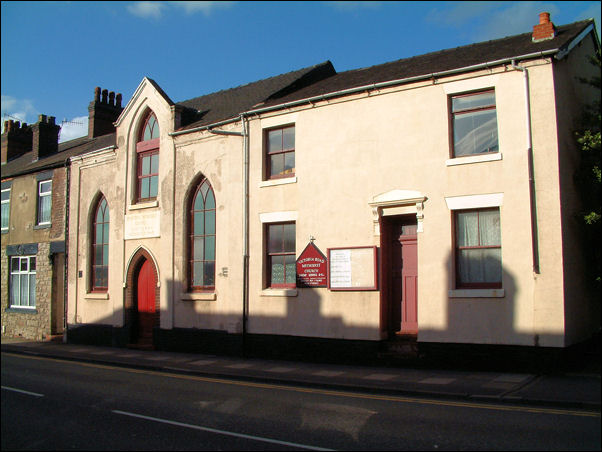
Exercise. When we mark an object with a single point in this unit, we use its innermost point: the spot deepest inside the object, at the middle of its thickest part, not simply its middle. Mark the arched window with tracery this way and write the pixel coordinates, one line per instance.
(201, 262)
(100, 247)
(147, 150)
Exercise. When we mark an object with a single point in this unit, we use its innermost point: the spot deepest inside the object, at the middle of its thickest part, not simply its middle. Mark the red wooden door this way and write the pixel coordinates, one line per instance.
(403, 269)
(409, 277)
(147, 283)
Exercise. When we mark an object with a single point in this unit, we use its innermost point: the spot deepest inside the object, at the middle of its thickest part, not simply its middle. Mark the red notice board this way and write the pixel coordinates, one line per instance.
(311, 267)
(352, 268)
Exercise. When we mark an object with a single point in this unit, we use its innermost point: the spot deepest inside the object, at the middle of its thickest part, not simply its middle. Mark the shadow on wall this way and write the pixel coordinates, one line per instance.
(471, 336)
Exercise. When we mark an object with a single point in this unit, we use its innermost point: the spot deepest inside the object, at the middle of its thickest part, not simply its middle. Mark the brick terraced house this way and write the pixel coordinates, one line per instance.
(35, 202)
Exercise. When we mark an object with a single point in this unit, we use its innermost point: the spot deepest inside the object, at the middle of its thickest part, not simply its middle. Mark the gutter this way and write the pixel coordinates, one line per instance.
(401, 81)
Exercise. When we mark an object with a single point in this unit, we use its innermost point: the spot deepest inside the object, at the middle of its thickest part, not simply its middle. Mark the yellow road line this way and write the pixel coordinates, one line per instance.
(414, 400)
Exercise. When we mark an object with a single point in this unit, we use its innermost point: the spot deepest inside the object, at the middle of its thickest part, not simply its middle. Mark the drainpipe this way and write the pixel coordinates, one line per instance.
(245, 186)
(245, 265)
(66, 263)
(532, 199)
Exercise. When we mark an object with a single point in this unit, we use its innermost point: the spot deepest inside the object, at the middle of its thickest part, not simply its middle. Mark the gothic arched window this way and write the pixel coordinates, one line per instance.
(147, 150)
(201, 261)
(100, 247)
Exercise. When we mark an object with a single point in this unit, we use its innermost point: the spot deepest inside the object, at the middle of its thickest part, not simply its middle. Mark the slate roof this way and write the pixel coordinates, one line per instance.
(230, 103)
(24, 165)
(440, 61)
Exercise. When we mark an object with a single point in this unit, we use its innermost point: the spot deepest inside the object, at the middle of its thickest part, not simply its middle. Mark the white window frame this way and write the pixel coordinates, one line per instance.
(16, 275)
(43, 194)
(5, 216)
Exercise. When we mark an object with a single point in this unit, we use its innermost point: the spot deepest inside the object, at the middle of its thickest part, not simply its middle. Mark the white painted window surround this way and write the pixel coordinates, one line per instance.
(475, 202)
(198, 296)
(474, 159)
(278, 217)
(278, 293)
(282, 181)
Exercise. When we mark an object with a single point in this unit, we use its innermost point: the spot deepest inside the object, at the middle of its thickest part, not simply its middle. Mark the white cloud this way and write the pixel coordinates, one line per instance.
(73, 128)
(353, 6)
(204, 7)
(491, 20)
(17, 110)
(460, 13)
(146, 9)
(154, 10)
(518, 18)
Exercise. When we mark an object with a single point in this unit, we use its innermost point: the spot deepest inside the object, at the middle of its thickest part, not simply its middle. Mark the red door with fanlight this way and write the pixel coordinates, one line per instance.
(147, 283)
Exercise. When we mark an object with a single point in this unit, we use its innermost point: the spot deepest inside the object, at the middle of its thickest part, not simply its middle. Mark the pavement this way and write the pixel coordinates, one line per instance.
(577, 388)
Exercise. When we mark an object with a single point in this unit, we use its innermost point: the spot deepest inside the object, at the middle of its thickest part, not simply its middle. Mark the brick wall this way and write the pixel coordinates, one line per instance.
(59, 202)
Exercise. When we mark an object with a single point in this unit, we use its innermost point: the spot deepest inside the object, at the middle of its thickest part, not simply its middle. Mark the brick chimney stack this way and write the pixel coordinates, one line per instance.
(16, 140)
(103, 112)
(45, 140)
(544, 30)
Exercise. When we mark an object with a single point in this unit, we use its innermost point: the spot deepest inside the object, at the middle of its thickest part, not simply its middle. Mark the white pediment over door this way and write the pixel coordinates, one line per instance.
(397, 202)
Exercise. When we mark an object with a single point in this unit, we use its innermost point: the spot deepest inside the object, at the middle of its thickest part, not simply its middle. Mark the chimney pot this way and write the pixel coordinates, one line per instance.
(118, 99)
(111, 98)
(104, 96)
(97, 94)
(544, 18)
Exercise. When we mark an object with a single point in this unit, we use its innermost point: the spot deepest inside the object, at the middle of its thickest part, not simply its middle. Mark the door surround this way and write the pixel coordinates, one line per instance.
(394, 203)
(397, 202)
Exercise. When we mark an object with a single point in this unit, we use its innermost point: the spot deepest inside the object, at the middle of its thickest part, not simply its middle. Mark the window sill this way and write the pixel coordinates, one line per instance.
(474, 159)
(42, 226)
(144, 205)
(97, 296)
(279, 293)
(282, 181)
(21, 310)
(198, 296)
(477, 293)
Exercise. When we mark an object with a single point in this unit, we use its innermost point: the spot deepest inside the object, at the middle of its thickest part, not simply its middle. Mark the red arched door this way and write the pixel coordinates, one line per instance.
(145, 301)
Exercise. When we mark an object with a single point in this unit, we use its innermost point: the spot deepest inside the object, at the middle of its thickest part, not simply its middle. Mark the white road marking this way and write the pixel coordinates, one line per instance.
(35, 394)
(221, 432)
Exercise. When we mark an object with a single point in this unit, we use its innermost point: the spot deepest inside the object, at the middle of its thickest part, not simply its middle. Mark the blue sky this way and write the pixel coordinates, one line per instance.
(53, 54)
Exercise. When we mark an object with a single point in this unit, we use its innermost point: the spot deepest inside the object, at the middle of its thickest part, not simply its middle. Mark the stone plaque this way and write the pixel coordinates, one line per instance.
(142, 225)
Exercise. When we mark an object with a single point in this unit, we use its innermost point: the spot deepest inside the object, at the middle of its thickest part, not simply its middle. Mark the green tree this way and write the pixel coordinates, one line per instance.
(588, 174)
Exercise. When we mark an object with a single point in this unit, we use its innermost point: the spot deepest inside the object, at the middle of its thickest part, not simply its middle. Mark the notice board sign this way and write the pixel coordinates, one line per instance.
(352, 268)
(311, 267)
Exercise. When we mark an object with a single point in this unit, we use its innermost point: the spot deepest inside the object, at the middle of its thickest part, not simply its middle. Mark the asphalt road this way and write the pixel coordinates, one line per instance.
(49, 404)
